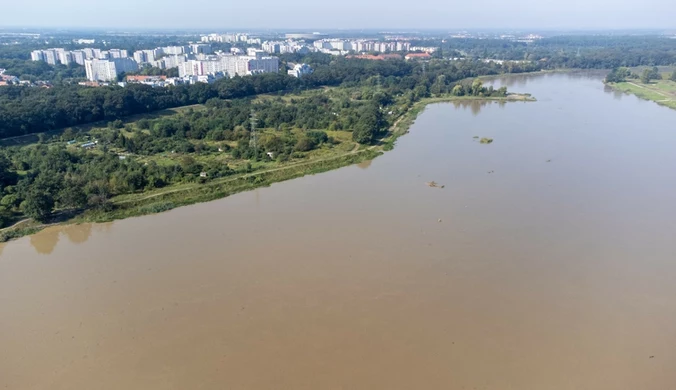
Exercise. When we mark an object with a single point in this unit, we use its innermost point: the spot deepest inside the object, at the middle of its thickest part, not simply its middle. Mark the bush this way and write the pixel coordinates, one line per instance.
(304, 144)
(156, 207)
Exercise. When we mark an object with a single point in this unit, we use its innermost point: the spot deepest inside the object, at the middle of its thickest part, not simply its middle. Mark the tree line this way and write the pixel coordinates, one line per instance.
(26, 110)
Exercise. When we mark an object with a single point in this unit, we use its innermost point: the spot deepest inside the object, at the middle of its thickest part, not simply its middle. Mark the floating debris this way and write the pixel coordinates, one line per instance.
(439, 220)
(549, 160)
(486, 140)
(434, 184)
(476, 136)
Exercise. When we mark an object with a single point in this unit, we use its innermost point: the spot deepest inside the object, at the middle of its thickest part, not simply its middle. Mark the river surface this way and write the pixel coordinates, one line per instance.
(548, 261)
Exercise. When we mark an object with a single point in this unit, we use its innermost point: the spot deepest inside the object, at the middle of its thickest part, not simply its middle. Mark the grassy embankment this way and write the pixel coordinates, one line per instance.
(262, 174)
(662, 92)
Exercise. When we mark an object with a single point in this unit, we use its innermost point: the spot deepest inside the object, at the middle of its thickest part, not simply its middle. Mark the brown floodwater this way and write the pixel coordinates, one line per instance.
(555, 271)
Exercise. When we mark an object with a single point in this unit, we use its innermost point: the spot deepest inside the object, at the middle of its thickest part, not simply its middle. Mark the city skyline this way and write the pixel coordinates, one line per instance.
(396, 14)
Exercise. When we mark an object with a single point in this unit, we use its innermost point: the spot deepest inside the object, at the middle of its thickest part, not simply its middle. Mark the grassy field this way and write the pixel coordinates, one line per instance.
(662, 92)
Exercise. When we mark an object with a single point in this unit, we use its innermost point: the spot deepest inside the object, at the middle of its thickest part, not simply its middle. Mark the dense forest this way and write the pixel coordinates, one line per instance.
(566, 51)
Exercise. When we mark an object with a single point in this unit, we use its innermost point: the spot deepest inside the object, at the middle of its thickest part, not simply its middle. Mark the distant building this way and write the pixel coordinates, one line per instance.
(64, 57)
(378, 57)
(89, 145)
(107, 70)
(312, 36)
(118, 53)
(37, 55)
(230, 65)
(50, 56)
(78, 56)
(418, 56)
(300, 70)
(140, 79)
(200, 48)
(175, 50)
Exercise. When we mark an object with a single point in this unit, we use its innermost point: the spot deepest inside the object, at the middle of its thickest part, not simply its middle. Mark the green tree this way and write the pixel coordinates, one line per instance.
(363, 134)
(68, 134)
(38, 205)
(72, 196)
(673, 76)
(645, 76)
(477, 87)
(304, 144)
(650, 74)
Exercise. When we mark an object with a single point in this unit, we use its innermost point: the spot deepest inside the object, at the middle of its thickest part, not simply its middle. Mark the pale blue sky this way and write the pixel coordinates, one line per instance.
(349, 14)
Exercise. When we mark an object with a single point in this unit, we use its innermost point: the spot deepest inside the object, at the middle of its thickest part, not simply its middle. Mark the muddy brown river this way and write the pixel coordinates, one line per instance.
(548, 261)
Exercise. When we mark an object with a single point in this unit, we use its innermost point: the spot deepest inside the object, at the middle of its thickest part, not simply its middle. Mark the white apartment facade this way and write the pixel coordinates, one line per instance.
(107, 70)
(231, 65)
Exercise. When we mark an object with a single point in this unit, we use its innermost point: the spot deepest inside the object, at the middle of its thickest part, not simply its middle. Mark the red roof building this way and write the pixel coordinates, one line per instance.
(379, 57)
(418, 56)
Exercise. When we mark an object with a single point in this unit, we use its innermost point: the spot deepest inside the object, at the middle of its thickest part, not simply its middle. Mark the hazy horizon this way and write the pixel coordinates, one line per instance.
(351, 15)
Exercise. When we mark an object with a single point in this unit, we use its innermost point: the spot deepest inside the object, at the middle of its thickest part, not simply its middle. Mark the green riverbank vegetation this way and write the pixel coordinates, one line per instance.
(647, 83)
(151, 163)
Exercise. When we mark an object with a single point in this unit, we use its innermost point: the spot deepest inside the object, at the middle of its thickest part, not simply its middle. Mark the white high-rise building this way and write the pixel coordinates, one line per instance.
(231, 65)
(175, 50)
(78, 56)
(91, 53)
(100, 70)
(50, 56)
(140, 56)
(118, 53)
(37, 55)
(107, 70)
(174, 61)
(64, 56)
(200, 48)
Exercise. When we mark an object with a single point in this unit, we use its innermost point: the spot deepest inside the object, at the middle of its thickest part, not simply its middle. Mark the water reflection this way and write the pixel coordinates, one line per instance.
(474, 105)
(77, 234)
(365, 164)
(45, 241)
(616, 94)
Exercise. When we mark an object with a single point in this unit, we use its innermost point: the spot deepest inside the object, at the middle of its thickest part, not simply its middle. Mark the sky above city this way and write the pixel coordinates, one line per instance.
(344, 14)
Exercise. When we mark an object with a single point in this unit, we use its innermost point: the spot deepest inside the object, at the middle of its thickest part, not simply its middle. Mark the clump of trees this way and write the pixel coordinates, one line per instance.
(476, 88)
(650, 74)
(619, 75)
